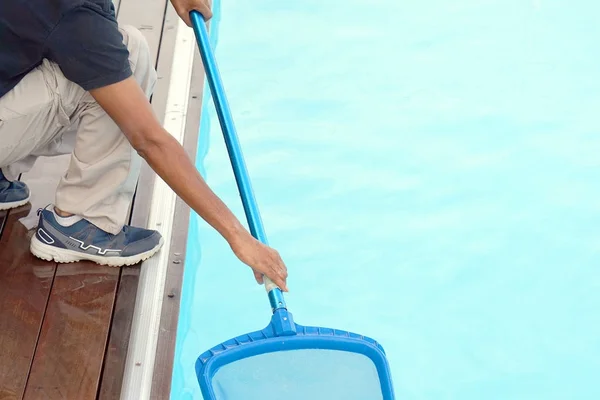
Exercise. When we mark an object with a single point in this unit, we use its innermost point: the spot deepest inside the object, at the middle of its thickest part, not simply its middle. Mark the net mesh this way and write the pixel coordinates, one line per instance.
(299, 375)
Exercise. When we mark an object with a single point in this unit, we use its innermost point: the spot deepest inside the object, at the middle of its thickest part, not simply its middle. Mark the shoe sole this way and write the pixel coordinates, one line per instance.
(13, 204)
(63, 256)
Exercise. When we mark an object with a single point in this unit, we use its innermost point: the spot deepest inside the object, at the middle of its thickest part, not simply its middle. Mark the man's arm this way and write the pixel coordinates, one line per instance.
(127, 105)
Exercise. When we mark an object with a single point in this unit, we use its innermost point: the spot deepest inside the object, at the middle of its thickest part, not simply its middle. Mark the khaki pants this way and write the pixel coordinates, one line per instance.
(47, 115)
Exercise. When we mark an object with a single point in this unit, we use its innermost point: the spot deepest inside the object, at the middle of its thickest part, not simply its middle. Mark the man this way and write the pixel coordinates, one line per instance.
(73, 81)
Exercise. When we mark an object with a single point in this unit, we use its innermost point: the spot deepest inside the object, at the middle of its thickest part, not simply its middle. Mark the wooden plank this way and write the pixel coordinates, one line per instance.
(116, 353)
(2, 221)
(72, 341)
(165, 349)
(25, 283)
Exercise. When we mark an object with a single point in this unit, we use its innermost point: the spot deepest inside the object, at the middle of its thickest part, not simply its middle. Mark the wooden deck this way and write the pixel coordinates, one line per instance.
(65, 329)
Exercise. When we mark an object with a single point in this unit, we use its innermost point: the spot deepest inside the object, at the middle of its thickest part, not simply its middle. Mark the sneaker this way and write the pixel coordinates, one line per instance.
(70, 239)
(12, 194)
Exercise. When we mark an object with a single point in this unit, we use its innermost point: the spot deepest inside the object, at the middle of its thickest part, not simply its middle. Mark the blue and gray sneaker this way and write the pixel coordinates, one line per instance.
(12, 194)
(64, 241)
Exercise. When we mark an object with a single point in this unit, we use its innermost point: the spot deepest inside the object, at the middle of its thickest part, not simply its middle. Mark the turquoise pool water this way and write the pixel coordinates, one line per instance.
(430, 173)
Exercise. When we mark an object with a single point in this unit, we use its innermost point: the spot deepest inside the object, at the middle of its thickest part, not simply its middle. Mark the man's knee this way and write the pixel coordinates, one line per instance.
(140, 59)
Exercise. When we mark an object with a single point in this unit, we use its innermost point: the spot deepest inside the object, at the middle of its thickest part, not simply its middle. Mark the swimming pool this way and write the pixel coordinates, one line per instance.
(429, 172)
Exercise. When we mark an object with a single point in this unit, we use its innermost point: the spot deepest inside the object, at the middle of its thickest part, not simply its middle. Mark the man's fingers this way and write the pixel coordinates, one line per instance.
(184, 11)
(283, 273)
(282, 285)
(280, 276)
(259, 277)
(206, 13)
(203, 9)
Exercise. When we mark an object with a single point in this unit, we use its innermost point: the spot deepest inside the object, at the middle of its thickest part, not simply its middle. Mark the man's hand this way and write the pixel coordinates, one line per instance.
(127, 105)
(262, 259)
(184, 7)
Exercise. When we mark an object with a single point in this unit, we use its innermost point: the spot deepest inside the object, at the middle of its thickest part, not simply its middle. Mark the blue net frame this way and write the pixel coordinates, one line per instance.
(283, 334)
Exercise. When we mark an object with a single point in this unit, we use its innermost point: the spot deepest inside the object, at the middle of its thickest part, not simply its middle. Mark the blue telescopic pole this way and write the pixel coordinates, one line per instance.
(233, 147)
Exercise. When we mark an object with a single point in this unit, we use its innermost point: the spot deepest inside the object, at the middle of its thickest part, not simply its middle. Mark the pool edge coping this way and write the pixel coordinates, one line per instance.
(141, 364)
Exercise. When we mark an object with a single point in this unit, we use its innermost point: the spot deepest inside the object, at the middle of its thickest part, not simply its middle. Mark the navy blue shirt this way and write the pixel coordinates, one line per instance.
(81, 36)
